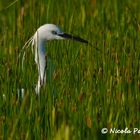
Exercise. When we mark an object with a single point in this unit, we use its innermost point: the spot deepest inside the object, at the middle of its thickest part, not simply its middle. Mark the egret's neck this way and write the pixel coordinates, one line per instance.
(40, 51)
(40, 59)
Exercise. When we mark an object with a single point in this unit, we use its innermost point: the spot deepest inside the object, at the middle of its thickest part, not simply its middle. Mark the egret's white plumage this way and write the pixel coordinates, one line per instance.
(42, 35)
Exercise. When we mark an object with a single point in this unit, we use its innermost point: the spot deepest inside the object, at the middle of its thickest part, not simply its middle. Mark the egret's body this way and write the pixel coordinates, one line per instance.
(42, 35)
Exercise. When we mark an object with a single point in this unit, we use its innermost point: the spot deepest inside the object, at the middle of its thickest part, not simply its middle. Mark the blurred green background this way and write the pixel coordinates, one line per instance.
(89, 89)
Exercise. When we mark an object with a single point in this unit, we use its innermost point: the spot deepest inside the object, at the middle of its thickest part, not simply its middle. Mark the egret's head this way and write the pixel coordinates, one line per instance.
(48, 32)
(51, 32)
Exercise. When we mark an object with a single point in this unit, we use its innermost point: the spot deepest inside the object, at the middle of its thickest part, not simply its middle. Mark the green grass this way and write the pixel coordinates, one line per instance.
(89, 89)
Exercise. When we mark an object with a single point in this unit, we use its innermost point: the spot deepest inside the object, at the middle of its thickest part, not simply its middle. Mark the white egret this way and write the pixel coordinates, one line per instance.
(42, 35)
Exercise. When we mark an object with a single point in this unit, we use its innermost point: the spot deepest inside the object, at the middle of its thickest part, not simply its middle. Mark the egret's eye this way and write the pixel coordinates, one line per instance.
(54, 32)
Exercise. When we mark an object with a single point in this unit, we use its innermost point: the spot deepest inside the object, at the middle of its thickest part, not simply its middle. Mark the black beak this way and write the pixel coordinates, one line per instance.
(76, 38)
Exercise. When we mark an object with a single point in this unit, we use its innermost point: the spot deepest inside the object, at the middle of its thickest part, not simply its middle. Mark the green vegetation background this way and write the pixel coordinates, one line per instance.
(89, 89)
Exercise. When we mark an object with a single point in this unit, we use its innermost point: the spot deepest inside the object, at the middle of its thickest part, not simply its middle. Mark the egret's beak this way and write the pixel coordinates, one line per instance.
(68, 36)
